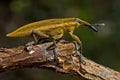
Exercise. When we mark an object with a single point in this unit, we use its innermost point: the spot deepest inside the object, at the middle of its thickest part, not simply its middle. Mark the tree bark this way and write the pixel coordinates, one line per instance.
(62, 59)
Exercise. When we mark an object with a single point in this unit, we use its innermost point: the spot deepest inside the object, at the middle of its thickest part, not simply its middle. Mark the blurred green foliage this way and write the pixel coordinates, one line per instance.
(102, 47)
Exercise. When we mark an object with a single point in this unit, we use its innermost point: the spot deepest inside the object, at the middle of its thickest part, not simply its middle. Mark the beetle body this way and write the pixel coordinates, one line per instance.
(46, 26)
(51, 28)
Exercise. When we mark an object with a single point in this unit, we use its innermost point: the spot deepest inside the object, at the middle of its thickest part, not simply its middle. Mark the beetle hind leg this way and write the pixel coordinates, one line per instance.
(34, 34)
(35, 39)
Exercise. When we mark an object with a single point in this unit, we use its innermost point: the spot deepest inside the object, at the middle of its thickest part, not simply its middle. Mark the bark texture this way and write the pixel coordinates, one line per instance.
(66, 61)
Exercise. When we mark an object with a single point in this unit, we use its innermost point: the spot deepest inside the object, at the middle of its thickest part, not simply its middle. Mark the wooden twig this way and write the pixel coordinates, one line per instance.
(66, 62)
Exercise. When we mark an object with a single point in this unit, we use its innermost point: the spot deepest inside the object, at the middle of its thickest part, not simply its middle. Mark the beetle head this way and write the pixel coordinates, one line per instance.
(81, 22)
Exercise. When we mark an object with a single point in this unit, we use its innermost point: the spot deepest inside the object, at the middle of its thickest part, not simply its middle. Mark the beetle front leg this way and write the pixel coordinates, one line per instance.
(76, 42)
(79, 53)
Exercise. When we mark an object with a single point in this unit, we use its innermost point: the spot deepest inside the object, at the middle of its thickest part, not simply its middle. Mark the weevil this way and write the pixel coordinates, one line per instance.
(51, 28)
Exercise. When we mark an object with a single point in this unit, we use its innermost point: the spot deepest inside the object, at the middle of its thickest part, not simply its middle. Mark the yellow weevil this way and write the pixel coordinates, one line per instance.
(51, 28)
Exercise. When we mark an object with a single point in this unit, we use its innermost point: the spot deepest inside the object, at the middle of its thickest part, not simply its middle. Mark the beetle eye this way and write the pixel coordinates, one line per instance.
(78, 21)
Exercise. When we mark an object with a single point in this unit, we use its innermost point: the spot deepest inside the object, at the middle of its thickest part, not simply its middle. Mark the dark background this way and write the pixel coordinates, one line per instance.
(102, 47)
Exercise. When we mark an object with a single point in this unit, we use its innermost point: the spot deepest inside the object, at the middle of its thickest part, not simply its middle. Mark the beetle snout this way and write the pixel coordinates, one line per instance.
(87, 24)
(93, 28)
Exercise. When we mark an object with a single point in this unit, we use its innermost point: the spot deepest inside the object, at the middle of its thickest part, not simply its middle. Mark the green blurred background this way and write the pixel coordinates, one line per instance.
(102, 47)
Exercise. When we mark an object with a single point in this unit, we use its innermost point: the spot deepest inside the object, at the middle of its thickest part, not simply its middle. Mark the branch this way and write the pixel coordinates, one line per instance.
(67, 62)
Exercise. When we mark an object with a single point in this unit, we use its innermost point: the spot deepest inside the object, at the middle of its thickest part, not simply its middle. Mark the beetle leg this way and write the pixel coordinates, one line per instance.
(27, 45)
(34, 34)
(39, 33)
(54, 50)
(56, 34)
(56, 39)
(79, 53)
(40, 41)
(77, 40)
(52, 46)
(35, 38)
